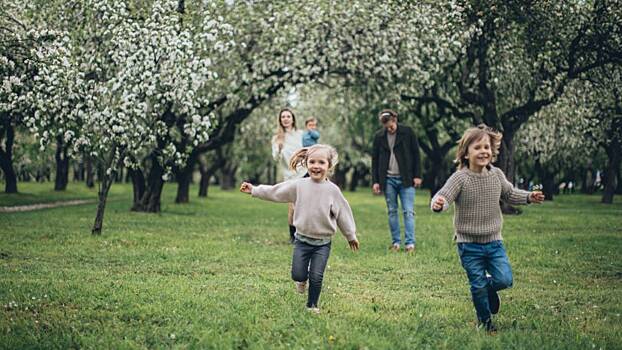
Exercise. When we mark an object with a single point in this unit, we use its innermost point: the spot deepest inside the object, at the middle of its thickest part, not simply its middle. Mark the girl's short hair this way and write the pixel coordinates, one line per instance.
(475, 134)
(300, 157)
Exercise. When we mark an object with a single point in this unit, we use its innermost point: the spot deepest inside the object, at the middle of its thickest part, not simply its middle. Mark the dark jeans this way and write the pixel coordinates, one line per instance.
(309, 262)
(477, 259)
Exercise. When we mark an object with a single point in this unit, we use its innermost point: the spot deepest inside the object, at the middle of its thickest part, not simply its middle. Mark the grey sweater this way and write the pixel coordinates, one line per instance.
(319, 207)
(478, 218)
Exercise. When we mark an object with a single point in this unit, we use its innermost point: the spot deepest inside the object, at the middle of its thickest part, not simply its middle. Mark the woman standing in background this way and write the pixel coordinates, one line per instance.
(285, 142)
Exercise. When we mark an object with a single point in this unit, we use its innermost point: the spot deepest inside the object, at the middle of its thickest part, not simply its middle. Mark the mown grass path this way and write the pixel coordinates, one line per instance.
(215, 274)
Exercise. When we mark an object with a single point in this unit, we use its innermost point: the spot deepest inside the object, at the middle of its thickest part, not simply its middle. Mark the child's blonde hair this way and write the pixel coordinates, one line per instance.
(309, 120)
(475, 134)
(300, 157)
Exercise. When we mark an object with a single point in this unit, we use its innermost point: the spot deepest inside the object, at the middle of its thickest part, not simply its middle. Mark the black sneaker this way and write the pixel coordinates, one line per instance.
(488, 326)
(494, 302)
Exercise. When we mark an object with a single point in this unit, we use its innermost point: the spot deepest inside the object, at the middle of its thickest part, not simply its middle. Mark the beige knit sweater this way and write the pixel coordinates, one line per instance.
(478, 217)
(319, 207)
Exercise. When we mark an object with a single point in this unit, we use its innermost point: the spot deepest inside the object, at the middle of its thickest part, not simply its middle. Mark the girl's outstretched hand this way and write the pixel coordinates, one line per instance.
(536, 197)
(246, 187)
(438, 203)
(354, 244)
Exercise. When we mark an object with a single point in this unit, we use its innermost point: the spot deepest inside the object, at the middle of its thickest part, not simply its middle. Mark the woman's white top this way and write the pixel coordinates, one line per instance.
(292, 142)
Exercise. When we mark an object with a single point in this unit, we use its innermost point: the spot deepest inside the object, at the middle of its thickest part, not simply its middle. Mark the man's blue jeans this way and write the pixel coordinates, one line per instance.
(479, 258)
(394, 189)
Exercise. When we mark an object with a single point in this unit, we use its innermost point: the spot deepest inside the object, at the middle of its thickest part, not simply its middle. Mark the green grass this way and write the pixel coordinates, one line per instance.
(32, 192)
(215, 274)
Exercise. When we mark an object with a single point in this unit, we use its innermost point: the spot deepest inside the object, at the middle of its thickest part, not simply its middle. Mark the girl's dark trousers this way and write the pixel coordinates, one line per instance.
(309, 262)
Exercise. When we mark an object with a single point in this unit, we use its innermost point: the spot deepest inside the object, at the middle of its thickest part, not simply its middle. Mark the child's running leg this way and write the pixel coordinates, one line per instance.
(500, 274)
(474, 260)
(319, 258)
(499, 267)
(300, 261)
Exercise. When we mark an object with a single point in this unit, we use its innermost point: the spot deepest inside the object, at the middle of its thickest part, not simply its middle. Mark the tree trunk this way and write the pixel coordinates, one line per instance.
(227, 177)
(358, 175)
(207, 172)
(505, 161)
(62, 165)
(138, 186)
(101, 205)
(106, 182)
(339, 177)
(150, 201)
(6, 156)
(204, 183)
(438, 171)
(90, 181)
(78, 171)
(548, 180)
(614, 159)
(184, 179)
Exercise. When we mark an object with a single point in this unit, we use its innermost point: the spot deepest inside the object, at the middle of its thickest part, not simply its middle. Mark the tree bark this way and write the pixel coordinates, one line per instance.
(208, 171)
(204, 183)
(62, 165)
(358, 175)
(101, 205)
(614, 159)
(438, 175)
(6, 156)
(339, 177)
(505, 161)
(184, 178)
(78, 171)
(106, 182)
(548, 180)
(227, 177)
(138, 186)
(90, 177)
(150, 201)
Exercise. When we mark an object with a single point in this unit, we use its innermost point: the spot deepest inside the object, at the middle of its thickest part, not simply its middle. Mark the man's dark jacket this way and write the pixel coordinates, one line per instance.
(406, 150)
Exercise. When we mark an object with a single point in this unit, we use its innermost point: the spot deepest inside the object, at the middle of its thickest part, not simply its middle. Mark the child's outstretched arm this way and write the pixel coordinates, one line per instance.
(345, 221)
(439, 203)
(536, 197)
(509, 193)
(284, 192)
(246, 187)
(448, 193)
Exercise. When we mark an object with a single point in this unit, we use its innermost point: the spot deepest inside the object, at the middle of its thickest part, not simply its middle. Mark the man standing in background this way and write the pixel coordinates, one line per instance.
(396, 170)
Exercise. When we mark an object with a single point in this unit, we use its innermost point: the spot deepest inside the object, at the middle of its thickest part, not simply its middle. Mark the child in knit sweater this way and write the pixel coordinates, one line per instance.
(476, 188)
(319, 208)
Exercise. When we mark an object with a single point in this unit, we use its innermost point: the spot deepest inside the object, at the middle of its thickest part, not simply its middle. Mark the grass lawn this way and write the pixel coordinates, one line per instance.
(33, 193)
(215, 274)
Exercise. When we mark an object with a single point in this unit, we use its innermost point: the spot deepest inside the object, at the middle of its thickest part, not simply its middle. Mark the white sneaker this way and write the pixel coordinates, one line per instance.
(301, 287)
(315, 310)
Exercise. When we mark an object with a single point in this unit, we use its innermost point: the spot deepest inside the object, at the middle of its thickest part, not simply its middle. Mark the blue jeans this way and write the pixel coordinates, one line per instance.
(477, 259)
(394, 189)
(309, 262)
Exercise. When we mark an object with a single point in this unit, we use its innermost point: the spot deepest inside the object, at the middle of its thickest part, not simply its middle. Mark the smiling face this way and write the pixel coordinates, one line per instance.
(317, 165)
(287, 120)
(479, 154)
